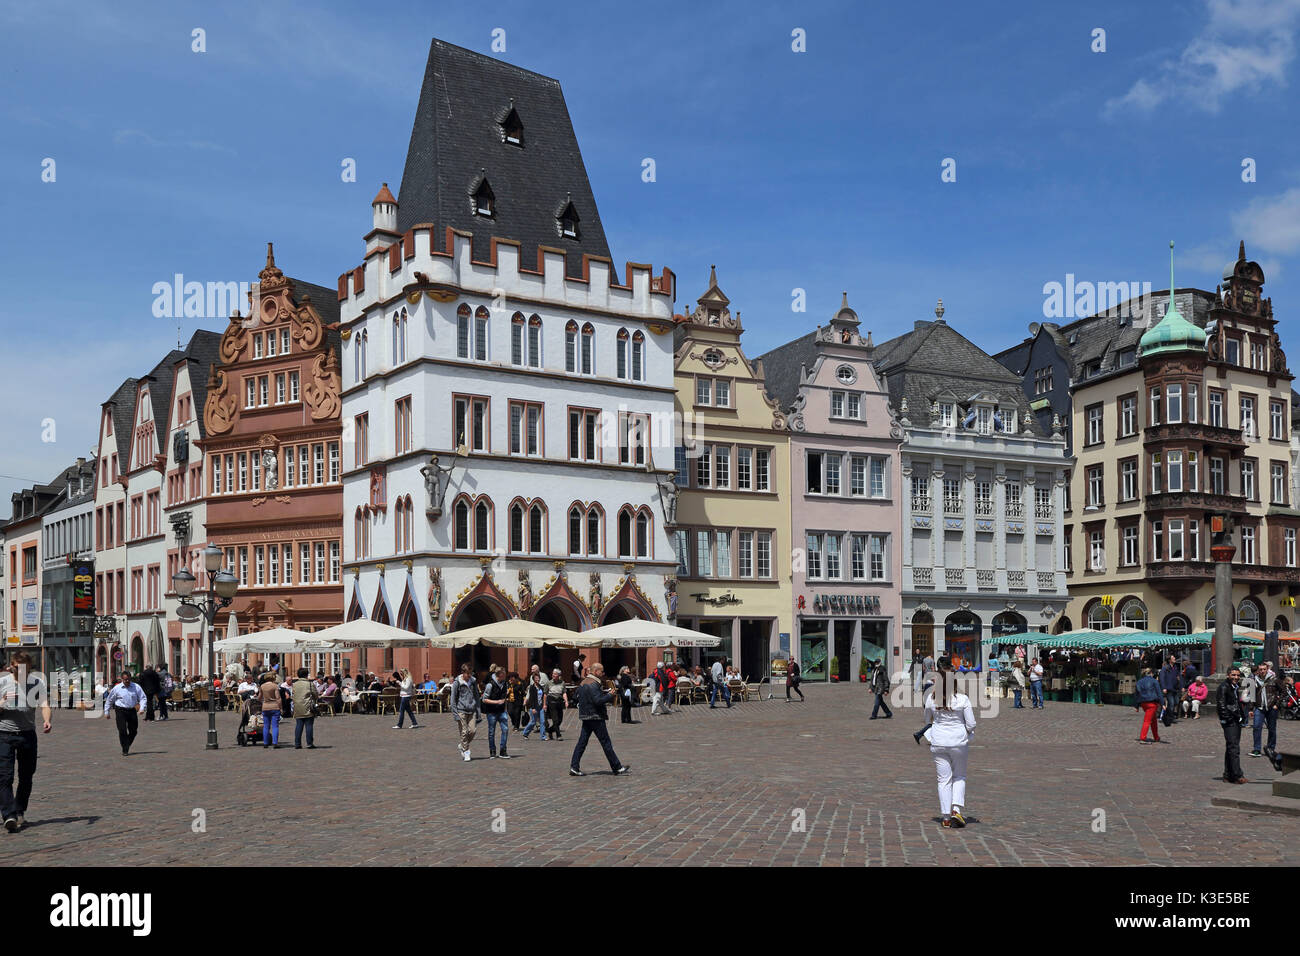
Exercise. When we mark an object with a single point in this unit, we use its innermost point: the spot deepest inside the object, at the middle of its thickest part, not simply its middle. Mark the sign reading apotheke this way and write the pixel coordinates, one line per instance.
(845, 604)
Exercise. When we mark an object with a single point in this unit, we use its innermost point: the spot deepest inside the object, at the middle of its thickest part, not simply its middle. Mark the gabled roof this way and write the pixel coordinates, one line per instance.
(122, 403)
(457, 137)
(201, 353)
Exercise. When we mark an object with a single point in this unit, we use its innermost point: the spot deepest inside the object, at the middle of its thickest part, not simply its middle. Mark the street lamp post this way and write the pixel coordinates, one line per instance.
(222, 586)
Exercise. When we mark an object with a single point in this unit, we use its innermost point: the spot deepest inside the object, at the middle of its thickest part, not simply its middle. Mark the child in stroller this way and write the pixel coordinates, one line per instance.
(250, 721)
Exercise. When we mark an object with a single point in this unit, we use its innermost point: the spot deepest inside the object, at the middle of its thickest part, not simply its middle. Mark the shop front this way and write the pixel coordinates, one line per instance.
(962, 633)
(842, 637)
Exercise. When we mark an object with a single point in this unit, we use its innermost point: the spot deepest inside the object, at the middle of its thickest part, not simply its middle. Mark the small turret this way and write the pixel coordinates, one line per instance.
(385, 217)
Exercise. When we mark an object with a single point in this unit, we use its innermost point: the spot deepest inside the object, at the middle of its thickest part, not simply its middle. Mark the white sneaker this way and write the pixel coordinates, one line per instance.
(397, 726)
(465, 756)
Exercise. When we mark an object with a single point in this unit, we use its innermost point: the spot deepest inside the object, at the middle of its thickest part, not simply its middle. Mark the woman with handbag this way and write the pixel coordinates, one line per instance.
(952, 725)
(406, 695)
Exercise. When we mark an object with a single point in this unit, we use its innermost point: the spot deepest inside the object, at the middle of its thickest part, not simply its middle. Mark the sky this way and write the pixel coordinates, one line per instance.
(799, 147)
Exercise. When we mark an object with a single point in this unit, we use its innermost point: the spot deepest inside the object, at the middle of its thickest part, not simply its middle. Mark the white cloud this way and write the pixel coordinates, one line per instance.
(1271, 222)
(1244, 46)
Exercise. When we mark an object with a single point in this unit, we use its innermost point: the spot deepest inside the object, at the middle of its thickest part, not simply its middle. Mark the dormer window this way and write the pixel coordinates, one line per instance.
(485, 202)
(566, 221)
(512, 129)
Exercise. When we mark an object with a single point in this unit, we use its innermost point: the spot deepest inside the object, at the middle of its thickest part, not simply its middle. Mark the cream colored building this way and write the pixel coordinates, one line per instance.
(1180, 428)
(732, 521)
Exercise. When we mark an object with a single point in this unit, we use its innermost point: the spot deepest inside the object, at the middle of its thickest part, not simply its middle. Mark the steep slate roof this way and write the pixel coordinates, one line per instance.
(160, 380)
(123, 402)
(326, 303)
(782, 365)
(934, 359)
(201, 353)
(457, 138)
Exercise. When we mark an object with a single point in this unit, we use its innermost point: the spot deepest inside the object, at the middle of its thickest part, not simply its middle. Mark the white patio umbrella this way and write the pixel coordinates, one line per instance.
(364, 633)
(637, 633)
(276, 640)
(515, 632)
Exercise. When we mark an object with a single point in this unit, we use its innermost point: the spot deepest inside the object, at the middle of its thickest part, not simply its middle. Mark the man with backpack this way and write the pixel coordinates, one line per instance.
(494, 706)
(880, 687)
(466, 708)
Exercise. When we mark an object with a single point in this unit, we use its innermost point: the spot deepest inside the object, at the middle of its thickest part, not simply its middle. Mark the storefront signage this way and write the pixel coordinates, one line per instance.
(845, 604)
(31, 612)
(83, 589)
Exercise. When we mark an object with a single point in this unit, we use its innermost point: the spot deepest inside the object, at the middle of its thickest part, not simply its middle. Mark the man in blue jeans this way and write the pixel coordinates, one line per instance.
(1171, 686)
(1036, 684)
(494, 708)
(719, 675)
(1268, 689)
(880, 687)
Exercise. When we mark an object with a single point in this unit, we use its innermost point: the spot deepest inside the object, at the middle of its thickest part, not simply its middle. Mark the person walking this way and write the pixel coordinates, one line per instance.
(592, 699)
(515, 699)
(20, 692)
(269, 695)
(1268, 695)
(625, 695)
(494, 708)
(1232, 716)
(1148, 701)
(305, 699)
(150, 684)
(466, 708)
(661, 689)
(719, 674)
(1036, 684)
(405, 698)
(792, 679)
(166, 684)
(670, 692)
(577, 668)
(125, 701)
(1170, 685)
(952, 725)
(557, 698)
(880, 687)
(535, 701)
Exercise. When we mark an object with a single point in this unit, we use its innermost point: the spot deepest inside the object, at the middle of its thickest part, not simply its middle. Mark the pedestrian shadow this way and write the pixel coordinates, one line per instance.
(969, 820)
(145, 753)
(33, 824)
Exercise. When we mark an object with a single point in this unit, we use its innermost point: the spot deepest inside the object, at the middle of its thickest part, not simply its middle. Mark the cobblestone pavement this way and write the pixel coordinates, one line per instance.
(719, 787)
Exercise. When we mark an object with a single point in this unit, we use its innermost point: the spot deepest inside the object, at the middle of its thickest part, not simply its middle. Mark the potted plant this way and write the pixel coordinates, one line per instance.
(863, 671)
(835, 670)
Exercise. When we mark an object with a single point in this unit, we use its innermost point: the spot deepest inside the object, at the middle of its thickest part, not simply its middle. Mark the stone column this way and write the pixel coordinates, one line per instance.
(1222, 552)
(937, 532)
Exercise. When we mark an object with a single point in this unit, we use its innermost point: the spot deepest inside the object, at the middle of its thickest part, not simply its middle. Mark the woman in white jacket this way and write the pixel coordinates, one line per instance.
(952, 724)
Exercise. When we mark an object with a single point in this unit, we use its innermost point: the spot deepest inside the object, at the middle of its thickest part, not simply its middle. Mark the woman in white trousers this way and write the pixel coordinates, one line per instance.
(952, 725)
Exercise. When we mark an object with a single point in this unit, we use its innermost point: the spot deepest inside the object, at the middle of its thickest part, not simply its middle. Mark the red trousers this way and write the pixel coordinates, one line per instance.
(1150, 719)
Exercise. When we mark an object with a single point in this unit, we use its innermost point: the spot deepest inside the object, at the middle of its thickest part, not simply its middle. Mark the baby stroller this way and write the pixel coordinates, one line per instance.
(250, 722)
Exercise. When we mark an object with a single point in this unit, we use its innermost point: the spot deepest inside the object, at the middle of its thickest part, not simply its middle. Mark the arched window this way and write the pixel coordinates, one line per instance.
(588, 349)
(638, 357)
(1176, 624)
(625, 533)
(517, 528)
(537, 529)
(358, 535)
(1280, 623)
(460, 514)
(1249, 614)
(482, 526)
(405, 525)
(571, 346)
(1209, 614)
(1133, 613)
(575, 530)
(595, 533)
(534, 342)
(359, 354)
(463, 336)
(517, 348)
(1099, 617)
(399, 337)
(621, 350)
(481, 334)
(642, 534)
(366, 516)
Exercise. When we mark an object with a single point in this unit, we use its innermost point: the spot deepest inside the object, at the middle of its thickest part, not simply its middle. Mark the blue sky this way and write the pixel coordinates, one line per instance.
(817, 170)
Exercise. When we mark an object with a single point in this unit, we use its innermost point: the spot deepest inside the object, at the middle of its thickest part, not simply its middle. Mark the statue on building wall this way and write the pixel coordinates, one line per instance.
(670, 597)
(668, 496)
(525, 590)
(270, 467)
(594, 600)
(435, 592)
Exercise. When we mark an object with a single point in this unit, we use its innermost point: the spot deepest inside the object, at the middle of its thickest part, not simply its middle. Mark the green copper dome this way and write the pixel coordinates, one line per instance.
(1173, 333)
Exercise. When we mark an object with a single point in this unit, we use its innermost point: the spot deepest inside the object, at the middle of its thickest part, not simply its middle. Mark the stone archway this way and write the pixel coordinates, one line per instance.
(476, 613)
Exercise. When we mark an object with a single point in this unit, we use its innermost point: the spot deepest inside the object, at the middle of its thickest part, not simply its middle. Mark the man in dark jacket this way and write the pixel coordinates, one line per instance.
(1170, 685)
(880, 687)
(592, 715)
(152, 686)
(1231, 716)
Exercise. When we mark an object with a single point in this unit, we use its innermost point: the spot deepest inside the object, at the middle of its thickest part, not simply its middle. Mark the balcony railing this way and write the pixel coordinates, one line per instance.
(983, 507)
(1195, 501)
(1198, 432)
(1266, 573)
(1046, 581)
(954, 506)
(1015, 509)
(1043, 510)
(1016, 581)
(921, 503)
(922, 577)
(955, 578)
(986, 580)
